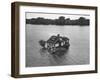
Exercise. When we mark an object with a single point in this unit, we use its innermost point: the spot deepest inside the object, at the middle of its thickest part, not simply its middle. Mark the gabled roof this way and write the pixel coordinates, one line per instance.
(54, 39)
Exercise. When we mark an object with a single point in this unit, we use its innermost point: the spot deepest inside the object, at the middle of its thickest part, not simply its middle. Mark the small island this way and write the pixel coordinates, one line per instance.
(82, 21)
(55, 44)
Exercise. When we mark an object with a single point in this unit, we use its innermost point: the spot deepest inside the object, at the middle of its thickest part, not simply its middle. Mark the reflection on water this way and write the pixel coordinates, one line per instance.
(44, 51)
(77, 54)
(56, 58)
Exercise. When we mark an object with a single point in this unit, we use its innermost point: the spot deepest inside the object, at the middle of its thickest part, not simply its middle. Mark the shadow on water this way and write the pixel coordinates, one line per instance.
(61, 53)
(56, 58)
(58, 53)
(43, 51)
(59, 57)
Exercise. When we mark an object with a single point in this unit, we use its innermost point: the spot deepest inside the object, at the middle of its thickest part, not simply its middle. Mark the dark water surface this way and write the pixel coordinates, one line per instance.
(77, 54)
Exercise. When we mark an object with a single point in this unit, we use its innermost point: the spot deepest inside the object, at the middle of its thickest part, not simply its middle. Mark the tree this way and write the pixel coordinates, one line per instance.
(82, 21)
(42, 43)
(61, 20)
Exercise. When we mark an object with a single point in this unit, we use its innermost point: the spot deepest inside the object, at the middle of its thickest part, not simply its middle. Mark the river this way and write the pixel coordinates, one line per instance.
(77, 54)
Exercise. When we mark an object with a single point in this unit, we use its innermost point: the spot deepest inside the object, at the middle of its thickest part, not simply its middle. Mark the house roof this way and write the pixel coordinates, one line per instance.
(54, 39)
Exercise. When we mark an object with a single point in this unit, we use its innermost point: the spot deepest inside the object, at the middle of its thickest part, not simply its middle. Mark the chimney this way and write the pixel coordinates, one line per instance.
(58, 35)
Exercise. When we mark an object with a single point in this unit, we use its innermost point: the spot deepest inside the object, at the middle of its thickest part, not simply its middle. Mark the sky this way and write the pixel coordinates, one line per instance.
(30, 15)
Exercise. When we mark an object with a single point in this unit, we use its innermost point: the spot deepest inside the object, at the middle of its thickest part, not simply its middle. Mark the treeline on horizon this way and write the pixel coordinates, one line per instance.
(60, 21)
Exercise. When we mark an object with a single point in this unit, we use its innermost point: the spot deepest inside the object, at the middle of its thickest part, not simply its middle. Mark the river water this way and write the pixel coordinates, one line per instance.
(77, 54)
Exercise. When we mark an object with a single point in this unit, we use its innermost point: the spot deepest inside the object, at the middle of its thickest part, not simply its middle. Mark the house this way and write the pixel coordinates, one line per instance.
(57, 42)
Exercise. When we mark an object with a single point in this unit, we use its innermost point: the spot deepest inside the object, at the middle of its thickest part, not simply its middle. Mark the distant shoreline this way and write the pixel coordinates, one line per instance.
(60, 21)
